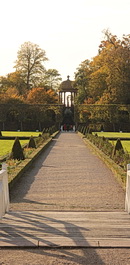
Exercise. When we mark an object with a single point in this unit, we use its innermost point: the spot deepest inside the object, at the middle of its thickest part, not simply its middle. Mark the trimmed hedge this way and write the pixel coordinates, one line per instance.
(116, 153)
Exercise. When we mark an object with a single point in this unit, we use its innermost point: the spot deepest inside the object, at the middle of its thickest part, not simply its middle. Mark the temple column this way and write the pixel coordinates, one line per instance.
(59, 97)
(71, 99)
(64, 98)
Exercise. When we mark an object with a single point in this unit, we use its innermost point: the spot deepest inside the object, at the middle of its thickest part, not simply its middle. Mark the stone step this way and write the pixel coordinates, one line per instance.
(65, 229)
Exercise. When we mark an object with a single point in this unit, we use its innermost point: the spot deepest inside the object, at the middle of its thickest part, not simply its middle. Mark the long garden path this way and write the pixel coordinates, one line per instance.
(69, 198)
(68, 176)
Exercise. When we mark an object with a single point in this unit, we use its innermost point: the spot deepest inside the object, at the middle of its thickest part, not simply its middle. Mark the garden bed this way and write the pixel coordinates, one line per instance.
(17, 168)
(118, 171)
(16, 171)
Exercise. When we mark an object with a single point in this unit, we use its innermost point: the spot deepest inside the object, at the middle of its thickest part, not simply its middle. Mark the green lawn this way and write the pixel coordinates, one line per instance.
(11, 133)
(126, 144)
(6, 146)
(113, 134)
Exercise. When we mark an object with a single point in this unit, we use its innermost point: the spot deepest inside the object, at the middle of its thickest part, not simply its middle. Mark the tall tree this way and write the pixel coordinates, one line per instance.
(82, 76)
(11, 81)
(52, 78)
(117, 59)
(107, 77)
(29, 63)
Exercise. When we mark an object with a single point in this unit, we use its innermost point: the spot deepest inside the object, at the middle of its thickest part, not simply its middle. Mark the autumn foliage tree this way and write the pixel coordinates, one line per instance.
(106, 79)
(31, 82)
(11, 81)
(42, 96)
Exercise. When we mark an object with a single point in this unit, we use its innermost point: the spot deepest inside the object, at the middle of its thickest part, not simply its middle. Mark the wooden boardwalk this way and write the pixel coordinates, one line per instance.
(65, 229)
(69, 198)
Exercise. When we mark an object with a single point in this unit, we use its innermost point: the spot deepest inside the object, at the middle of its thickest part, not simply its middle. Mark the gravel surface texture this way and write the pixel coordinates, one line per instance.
(65, 257)
(67, 176)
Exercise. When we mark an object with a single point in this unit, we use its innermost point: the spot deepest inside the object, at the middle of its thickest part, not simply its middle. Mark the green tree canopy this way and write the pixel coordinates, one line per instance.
(29, 63)
(52, 78)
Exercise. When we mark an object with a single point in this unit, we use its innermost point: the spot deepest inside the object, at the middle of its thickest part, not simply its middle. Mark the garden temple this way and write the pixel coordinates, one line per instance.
(67, 93)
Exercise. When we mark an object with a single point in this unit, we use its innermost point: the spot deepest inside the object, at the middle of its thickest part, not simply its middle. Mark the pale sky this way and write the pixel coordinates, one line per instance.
(70, 31)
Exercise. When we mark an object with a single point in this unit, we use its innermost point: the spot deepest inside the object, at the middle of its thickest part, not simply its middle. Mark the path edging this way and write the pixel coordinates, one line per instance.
(118, 172)
(26, 164)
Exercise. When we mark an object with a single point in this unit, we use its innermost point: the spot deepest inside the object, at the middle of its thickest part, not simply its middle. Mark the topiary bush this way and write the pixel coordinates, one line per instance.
(116, 153)
(90, 130)
(118, 147)
(102, 143)
(17, 151)
(43, 131)
(32, 143)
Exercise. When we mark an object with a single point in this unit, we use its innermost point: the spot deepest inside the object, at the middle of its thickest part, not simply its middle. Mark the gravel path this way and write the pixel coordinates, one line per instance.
(68, 176)
(65, 257)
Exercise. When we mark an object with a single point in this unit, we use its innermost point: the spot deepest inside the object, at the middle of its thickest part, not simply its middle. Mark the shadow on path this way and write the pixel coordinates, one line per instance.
(44, 230)
(26, 180)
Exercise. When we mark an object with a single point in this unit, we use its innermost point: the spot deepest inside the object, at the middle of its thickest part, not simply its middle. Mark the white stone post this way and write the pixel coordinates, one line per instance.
(127, 199)
(1, 199)
(4, 191)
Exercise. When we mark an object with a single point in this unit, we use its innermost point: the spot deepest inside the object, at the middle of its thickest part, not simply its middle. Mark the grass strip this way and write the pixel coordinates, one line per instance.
(19, 133)
(113, 134)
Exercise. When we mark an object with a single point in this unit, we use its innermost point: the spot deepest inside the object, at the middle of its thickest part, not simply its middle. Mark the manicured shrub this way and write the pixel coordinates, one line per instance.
(84, 130)
(118, 147)
(46, 130)
(90, 130)
(117, 154)
(50, 130)
(43, 131)
(102, 128)
(17, 151)
(31, 143)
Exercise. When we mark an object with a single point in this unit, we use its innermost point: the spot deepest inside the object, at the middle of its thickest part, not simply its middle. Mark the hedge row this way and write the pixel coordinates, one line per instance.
(115, 152)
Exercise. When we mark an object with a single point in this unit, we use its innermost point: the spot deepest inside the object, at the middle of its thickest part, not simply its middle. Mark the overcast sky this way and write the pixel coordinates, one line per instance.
(70, 31)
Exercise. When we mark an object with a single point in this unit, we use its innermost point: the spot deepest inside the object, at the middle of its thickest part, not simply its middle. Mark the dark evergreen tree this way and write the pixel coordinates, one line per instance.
(17, 151)
(118, 147)
(31, 143)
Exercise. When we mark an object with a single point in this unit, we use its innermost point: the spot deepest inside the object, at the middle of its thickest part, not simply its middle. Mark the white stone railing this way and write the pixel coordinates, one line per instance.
(127, 199)
(4, 191)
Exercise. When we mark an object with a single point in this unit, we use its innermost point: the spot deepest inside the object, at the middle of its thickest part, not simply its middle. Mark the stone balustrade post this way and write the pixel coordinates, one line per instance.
(127, 199)
(4, 191)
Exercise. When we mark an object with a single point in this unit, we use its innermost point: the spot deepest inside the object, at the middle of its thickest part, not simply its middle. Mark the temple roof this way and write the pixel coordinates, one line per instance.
(67, 85)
